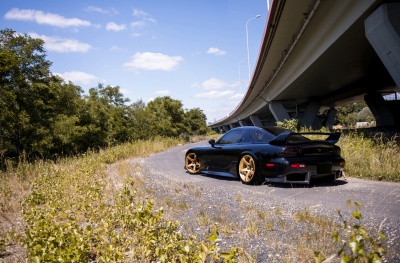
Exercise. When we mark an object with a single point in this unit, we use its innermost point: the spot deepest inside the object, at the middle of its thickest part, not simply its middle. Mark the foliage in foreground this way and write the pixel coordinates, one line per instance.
(358, 244)
(77, 212)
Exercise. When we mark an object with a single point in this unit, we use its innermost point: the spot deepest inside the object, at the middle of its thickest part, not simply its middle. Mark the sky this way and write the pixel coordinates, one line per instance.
(194, 51)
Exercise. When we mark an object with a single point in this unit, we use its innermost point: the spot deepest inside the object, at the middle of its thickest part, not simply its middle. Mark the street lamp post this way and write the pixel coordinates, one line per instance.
(247, 40)
(240, 83)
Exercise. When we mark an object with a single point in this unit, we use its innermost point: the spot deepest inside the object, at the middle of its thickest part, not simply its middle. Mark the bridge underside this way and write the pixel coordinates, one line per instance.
(344, 52)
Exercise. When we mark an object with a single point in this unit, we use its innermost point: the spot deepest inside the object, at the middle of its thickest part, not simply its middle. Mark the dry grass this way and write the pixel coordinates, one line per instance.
(274, 225)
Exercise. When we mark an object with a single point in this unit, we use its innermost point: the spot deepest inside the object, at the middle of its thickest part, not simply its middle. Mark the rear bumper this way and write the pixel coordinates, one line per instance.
(285, 174)
(303, 178)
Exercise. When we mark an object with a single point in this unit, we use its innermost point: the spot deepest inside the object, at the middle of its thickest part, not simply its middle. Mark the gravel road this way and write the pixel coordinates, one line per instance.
(269, 221)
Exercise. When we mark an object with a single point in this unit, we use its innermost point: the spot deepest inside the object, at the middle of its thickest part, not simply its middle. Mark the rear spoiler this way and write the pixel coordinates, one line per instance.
(282, 138)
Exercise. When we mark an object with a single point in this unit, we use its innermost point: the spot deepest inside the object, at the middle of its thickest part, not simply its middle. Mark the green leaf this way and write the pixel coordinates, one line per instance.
(357, 215)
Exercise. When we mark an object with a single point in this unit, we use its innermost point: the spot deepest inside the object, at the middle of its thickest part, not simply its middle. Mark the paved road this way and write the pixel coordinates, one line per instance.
(379, 200)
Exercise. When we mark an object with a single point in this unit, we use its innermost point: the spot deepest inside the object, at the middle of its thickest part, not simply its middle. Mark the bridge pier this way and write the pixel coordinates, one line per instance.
(310, 114)
(383, 111)
(256, 121)
(330, 118)
(382, 29)
(279, 111)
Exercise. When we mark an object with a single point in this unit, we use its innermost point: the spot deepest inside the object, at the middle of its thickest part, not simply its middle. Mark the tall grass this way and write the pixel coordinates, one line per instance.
(375, 157)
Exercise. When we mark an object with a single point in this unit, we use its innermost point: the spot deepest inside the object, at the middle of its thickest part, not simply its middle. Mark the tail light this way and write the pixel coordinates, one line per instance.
(342, 164)
(270, 165)
(298, 165)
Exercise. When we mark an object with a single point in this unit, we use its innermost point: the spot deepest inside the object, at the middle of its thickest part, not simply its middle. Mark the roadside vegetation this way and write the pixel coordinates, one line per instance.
(98, 208)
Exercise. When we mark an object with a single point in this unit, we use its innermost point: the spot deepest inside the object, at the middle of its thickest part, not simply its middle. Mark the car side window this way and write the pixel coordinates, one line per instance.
(231, 137)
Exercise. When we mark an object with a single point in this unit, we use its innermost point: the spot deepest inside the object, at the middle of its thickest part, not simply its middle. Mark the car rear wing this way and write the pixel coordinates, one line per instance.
(282, 138)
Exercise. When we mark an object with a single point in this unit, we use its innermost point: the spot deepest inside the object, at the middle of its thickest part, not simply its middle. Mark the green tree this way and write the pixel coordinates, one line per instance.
(105, 118)
(138, 121)
(166, 116)
(352, 113)
(195, 121)
(25, 95)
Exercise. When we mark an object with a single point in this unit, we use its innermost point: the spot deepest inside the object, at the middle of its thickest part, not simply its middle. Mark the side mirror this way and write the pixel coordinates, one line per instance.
(212, 142)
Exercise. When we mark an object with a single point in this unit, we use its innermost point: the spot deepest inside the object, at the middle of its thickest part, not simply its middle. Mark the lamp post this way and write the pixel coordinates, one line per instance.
(247, 40)
(240, 83)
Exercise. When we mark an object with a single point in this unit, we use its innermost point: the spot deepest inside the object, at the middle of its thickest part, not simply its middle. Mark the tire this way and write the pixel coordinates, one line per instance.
(192, 164)
(247, 170)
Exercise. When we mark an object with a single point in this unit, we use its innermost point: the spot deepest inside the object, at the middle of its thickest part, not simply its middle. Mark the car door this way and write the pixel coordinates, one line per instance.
(225, 151)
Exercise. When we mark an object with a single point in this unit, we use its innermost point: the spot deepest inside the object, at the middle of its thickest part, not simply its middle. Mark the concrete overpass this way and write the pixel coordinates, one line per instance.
(319, 54)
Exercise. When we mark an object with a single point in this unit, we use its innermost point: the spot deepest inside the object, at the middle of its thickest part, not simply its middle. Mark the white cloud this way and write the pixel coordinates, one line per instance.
(78, 77)
(115, 27)
(214, 83)
(101, 10)
(44, 18)
(62, 45)
(138, 24)
(164, 92)
(117, 48)
(216, 51)
(215, 94)
(97, 9)
(143, 15)
(153, 61)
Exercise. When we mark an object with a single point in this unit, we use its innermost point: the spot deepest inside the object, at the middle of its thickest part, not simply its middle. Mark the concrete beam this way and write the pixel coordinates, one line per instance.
(278, 111)
(382, 29)
(226, 128)
(310, 114)
(379, 108)
(256, 121)
(331, 118)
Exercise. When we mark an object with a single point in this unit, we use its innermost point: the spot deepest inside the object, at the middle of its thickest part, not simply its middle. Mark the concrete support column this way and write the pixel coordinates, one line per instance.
(226, 128)
(256, 121)
(382, 29)
(331, 118)
(379, 109)
(242, 123)
(232, 125)
(278, 111)
(310, 114)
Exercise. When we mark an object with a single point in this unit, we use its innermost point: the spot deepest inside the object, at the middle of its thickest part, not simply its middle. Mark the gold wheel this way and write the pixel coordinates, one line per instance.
(192, 164)
(247, 169)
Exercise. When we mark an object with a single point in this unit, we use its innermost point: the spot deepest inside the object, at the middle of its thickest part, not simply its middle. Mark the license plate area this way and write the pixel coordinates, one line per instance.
(324, 168)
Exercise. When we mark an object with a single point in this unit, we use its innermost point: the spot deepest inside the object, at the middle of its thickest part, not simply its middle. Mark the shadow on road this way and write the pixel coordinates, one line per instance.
(313, 183)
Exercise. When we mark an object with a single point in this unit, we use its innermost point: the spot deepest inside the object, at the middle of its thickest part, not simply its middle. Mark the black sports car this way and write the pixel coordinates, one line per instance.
(269, 154)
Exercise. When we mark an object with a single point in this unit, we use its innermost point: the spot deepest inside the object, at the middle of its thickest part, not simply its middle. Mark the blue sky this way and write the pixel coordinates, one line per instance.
(193, 51)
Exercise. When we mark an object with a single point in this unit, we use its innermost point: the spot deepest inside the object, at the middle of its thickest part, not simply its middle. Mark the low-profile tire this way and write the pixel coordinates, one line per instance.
(247, 170)
(192, 164)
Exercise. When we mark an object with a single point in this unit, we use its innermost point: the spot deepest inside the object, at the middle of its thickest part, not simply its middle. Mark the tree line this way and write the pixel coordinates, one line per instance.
(43, 116)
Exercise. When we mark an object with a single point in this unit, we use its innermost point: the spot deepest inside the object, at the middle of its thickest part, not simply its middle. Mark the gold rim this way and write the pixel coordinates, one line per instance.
(247, 168)
(192, 164)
